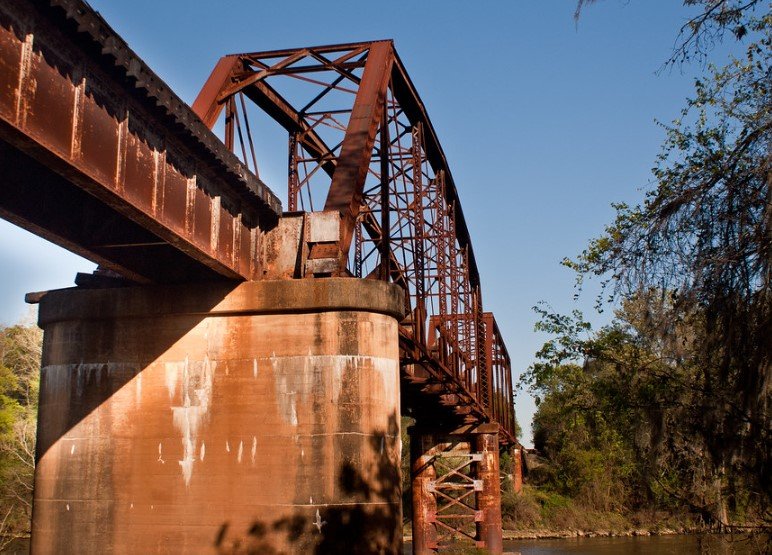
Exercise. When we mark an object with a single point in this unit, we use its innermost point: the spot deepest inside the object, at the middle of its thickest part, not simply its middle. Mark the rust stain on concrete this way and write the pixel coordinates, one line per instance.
(307, 419)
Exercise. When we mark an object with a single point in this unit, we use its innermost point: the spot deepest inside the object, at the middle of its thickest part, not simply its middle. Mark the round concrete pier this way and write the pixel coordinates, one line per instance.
(259, 417)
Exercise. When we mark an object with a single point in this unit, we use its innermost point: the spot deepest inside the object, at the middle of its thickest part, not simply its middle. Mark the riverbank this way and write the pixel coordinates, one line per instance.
(510, 535)
(663, 544)
(539, 513)
(675, 544)
(565, 534)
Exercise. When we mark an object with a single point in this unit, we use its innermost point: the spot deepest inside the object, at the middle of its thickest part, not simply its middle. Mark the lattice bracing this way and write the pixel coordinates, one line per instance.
(455, 490)
(360, 143)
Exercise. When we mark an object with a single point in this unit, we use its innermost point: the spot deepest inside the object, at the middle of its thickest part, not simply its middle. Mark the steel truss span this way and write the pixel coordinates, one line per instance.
(360, 143)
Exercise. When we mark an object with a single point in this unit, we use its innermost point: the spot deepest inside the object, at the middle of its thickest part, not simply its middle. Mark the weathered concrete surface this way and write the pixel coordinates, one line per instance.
(261, 417)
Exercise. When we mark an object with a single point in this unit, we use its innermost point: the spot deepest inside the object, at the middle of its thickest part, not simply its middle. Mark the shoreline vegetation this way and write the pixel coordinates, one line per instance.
(659, 420)
(536, 514)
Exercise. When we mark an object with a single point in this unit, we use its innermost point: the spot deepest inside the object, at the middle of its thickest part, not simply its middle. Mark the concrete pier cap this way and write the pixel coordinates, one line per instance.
(257, 417)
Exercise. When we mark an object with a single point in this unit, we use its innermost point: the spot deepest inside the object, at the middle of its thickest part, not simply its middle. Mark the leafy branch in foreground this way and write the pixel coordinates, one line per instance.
(703, 31)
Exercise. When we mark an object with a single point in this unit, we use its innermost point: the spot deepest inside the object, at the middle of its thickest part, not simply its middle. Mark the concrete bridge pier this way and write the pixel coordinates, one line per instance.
(259, 417)
(456, 488)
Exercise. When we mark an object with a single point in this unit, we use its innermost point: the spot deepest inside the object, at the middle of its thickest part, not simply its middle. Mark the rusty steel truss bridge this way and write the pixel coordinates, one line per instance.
(100, 156)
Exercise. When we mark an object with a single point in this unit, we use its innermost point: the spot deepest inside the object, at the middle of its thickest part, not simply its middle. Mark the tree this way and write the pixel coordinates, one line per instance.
(696, 256)
(20, 351)
(627, 424)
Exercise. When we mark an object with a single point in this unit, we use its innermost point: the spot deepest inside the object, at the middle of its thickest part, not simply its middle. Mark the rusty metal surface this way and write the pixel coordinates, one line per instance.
(140, 79)
(424, 502)
(353, 162)
(455, 488)
(500, 368)
(489, 498)
(398, 194)
(164, 200)
(518, 455)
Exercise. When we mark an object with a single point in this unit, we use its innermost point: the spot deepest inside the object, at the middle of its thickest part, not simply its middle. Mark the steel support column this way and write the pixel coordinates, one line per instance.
(423, 475)
(455, 488)
(517, 468)
(489, 499)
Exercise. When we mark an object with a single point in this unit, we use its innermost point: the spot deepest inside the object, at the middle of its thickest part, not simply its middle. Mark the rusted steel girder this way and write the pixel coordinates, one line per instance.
(500, 374)
(251, 76)
(100, 156)
(345, 194)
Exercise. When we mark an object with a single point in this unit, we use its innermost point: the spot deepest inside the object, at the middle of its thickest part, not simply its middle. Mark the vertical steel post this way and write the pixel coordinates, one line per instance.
(358, 249)
(292, 170)
(484, 344)
(230, 113)
(419, 235)
(442, 248)
(482, 357)
(517, 468)
(423, 474)
(489, 499)
(385, 216)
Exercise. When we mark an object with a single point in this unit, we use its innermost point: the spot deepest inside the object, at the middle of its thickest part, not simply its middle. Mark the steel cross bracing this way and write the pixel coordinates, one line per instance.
(455, 489)
(360, 143)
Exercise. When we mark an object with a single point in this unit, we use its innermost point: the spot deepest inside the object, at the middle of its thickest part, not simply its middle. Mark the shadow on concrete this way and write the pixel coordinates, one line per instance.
(75, 379)
(370, 522)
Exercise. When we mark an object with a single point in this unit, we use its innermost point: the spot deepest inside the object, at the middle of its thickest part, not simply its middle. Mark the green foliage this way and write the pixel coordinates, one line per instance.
(20, 350)
(463, 549)
(584, 423)
(668, 405)
(624, 430)
(538, 508)
(9, 407)
(520, 511)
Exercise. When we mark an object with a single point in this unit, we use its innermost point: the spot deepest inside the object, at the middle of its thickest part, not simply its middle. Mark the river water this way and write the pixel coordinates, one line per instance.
(651, 545)
(646, 545)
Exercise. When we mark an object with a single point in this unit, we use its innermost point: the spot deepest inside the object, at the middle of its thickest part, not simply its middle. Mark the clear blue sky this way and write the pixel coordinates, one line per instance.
(544, 123)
